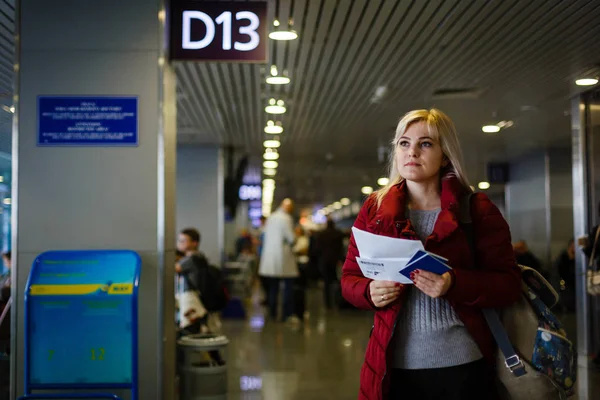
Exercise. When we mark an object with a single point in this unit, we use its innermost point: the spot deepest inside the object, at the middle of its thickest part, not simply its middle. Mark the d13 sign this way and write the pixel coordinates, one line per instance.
(223, 31)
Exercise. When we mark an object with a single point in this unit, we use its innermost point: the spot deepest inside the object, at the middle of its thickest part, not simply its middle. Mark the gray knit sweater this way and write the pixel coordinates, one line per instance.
(428, 333)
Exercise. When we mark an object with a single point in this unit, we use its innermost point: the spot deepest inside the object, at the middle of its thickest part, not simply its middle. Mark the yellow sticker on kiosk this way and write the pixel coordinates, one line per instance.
(80, 289)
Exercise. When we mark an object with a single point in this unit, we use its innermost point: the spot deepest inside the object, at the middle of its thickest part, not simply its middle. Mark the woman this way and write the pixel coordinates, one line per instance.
(430, 340)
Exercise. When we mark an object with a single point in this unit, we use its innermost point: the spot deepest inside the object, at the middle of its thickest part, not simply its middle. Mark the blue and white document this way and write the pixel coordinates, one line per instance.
(392, 259)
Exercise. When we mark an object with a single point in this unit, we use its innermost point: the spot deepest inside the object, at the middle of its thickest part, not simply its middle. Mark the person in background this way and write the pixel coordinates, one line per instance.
(243, 242)
(430, 339)
(525, 257)
(277, 261)
(587, 243)
(264, 282)
(565, 267)
(301, 253)
(590, 245)
(190, 269)
(330, 245)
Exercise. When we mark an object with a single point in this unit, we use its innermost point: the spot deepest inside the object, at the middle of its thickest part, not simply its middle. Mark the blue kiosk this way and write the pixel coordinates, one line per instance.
(81, 325)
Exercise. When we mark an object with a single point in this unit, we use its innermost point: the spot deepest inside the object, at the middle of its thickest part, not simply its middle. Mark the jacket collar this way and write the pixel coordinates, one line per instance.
(393, 207)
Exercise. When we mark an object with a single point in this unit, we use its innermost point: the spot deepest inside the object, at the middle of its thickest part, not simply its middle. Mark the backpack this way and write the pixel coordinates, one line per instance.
(536, 360)
(210, 282)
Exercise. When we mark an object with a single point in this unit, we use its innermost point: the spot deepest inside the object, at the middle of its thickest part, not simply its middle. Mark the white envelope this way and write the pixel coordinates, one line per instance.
(377, 246)
(384, 269)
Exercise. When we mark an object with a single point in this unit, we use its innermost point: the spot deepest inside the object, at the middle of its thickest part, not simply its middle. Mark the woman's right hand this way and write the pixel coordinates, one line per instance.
(384, 292)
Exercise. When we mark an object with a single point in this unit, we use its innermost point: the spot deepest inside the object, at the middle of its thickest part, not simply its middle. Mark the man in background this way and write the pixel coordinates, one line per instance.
(277, 262)
(330, 248)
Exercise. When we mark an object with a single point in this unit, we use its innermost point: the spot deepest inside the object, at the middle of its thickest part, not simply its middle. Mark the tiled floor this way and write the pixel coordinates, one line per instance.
(321, 360)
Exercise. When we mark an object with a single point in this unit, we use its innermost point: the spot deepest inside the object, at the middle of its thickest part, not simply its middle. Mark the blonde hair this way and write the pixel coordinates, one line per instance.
(440, 128)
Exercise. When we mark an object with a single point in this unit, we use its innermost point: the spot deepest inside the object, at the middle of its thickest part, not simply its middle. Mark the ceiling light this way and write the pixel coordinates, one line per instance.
(272, 143)
(271, 155)
(270, 164)
(337, 205)
(490, 128)
(345, 201)
(275, 107)
(366, 190)
(268, 182)
(269, 172)
(383, 181)
(7, 201)
(1, 179)
(276, 22)
(586, 82)
(283, 35)
(273, 128)
(483, 185)
(278, 80)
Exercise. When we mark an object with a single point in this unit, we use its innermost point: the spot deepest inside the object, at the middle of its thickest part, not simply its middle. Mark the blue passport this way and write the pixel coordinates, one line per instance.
(426, 261)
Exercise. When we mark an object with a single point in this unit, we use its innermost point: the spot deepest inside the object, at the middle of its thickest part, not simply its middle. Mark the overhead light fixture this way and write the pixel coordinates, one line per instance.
(1, 179)
(276, 22)
(273, 144)
(271, 155)
(269, 172)
(345, 201)
(278, 80)
(586, 82)
(283, 35)
(491, 128)
(275, 107)
(274, 128)
(268, 182)
(383, 181)
(483, 185)
(366, 190)
(505, 124)
(270, 164)
(337, 205)
(7, 201)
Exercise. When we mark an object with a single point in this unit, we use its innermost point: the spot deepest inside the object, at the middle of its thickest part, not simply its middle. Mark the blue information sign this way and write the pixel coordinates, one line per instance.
(87, 121)
(81, 320)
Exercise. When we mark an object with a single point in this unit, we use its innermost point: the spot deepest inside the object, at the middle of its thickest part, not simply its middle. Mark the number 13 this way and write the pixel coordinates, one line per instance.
(224, 19)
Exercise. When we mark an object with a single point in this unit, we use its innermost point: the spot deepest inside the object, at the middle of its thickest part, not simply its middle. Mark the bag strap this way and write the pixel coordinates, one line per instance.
(511, 358)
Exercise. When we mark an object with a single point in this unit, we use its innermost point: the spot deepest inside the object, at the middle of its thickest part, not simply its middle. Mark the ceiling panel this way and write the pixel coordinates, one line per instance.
(518, 58)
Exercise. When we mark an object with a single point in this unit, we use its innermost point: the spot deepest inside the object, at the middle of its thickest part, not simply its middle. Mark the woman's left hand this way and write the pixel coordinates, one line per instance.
(433, 285)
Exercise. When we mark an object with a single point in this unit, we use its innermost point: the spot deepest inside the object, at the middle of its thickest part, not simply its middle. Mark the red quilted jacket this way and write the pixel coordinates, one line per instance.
(495, 282)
